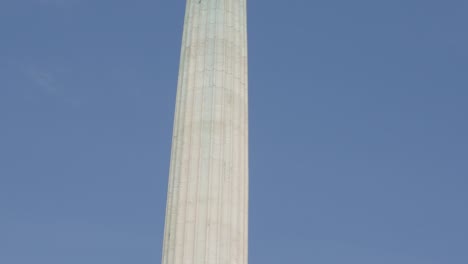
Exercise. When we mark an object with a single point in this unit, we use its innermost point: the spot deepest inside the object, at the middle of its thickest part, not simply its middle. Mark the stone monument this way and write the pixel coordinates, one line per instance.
(207, 200)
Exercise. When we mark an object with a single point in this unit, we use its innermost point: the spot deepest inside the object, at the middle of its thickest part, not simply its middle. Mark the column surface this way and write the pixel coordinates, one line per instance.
(207, 200)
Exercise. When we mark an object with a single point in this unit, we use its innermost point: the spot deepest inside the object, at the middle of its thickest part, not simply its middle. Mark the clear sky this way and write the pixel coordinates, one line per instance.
(358, 130)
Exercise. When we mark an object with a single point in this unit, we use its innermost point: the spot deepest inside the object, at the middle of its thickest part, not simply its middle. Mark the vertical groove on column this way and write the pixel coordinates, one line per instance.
(214, 134)
(221, 175)
(242, 155)
(220, 72)
(236, 129)
(229, 87)
(223, 258)
(198, 236)
(192, 164)
(244, 174)
(184, 203)
(181, 97)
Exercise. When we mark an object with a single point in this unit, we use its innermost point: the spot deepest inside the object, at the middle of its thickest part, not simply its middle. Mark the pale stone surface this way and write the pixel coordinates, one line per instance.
(207, 202)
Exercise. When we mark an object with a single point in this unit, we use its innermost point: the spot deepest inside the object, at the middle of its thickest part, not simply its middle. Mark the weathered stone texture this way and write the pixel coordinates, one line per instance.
(207, 201)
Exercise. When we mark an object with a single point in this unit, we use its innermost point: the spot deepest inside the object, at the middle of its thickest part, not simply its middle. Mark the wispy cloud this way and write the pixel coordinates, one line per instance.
(49, 82)
(44, 80)
(58, 3)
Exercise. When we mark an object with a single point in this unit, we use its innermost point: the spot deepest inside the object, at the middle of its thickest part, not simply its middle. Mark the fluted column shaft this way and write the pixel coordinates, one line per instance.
(207, 202)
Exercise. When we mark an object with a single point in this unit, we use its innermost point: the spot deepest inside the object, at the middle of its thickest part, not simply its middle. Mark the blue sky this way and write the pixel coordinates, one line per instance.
(358, 131)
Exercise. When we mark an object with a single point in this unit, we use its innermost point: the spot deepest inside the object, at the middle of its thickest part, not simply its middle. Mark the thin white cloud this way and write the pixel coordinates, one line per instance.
(49, 82)
(44, 80)
(58, 3)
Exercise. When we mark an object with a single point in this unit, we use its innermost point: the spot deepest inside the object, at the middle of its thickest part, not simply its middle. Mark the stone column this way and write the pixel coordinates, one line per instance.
(207, 200)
